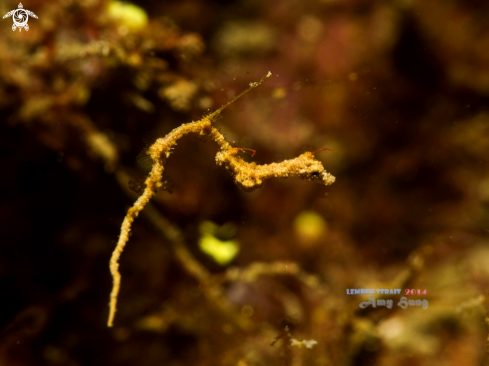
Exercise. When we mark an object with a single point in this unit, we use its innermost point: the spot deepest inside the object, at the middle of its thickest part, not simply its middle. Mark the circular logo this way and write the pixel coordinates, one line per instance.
(20, 18)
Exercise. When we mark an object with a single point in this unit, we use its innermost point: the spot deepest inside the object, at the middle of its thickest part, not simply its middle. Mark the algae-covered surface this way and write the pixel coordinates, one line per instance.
(214, 275)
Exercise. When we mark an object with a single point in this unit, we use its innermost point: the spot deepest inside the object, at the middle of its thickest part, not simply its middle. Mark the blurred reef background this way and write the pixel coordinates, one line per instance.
(399, 90)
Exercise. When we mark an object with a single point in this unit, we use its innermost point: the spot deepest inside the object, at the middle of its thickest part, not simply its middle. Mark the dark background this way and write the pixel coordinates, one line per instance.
(399, 90)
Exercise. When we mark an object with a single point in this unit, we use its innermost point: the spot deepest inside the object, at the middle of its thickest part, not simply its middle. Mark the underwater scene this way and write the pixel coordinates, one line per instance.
(244, 182)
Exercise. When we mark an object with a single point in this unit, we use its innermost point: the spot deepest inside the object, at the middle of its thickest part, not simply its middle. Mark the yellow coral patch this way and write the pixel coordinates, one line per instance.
(129, 15)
